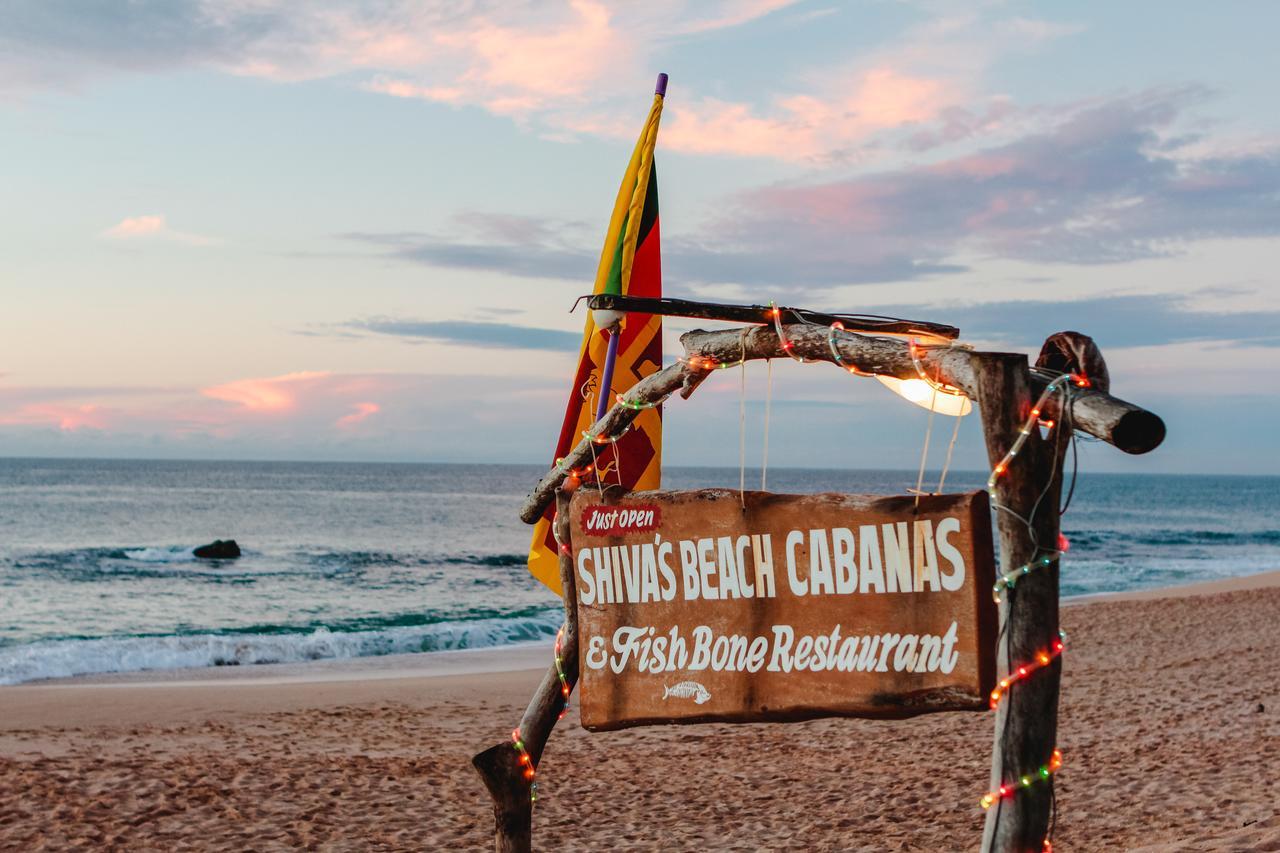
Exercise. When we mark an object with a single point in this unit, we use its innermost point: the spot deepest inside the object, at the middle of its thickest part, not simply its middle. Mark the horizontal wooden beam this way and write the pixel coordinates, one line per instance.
(870, 324)
(1115, 421)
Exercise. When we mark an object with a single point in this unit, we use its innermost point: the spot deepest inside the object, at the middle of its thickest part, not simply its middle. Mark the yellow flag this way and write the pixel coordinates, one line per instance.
(631, 265)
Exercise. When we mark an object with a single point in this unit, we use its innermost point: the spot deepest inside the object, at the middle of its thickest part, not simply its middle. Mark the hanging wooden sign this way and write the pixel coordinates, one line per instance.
(694, 607)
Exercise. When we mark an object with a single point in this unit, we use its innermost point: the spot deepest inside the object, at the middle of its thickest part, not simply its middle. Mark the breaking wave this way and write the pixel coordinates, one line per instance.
(267, 644)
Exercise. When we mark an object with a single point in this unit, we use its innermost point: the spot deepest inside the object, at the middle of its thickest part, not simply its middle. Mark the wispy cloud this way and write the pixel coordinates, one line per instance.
(1099, 187)
(517, 245)
(1129, 320)
(311, 414)
(362, 412)
(803, 126)
(273, 394)
(67, 417)
(509, 58)
(153, 227)
(488, 335)
(920, 89)
(1103, 185)
(540, 63)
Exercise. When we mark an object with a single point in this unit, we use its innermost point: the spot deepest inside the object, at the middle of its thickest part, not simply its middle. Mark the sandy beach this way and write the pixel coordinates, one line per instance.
(1170, 729)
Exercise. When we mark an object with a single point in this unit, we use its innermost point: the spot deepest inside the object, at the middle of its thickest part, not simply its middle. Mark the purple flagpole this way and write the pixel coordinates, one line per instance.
(606, 380)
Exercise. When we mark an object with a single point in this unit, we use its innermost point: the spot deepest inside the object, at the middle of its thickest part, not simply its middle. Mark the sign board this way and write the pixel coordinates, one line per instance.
(693, 607)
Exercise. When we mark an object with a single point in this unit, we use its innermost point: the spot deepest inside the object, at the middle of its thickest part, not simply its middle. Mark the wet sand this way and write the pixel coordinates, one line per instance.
(1170, 729)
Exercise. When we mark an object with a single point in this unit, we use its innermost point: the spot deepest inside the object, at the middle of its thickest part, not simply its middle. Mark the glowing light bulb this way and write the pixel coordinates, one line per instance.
(923, 395)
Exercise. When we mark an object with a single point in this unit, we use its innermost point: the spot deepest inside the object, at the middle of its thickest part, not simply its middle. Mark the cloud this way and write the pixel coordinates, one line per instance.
(1133, 320)
(1099, 187)
(362, 411)
(510, 58)
(921, 90)
(152, 227)
(541, 63)
(274, 394)
(489, 335)
(65, 417)
(1108, 183)
(805, 126)
(312, 415)
(524, 246)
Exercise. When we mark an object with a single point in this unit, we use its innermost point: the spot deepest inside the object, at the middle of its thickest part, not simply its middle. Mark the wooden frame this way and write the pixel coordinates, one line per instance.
(1004, 388)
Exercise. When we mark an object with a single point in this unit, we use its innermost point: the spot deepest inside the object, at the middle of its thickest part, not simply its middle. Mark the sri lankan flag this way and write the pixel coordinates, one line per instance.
(631, 265)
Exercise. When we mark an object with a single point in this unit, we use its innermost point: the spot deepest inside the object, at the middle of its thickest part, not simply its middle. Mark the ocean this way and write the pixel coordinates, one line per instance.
(348, 560)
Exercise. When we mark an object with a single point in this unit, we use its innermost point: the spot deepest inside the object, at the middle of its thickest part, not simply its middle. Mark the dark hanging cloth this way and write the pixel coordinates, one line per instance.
(1072, 352)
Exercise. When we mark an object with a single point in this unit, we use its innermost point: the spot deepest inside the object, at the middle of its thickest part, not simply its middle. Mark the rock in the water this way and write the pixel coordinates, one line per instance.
(219, 549)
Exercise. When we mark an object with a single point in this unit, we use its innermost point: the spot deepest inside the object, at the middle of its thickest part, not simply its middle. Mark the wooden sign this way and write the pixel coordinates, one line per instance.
(693, 608)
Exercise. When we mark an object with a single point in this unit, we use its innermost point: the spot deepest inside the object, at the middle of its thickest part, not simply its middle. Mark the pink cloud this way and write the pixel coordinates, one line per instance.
(152, 227)
(274, 394)
(805, 126)
(362, 411)
(415, 415)
(519, 62)
(406, 89)
(135, 226)
(67, 418)
(573, 67)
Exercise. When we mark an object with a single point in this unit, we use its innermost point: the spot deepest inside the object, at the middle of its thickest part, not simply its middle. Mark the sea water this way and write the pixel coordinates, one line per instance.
(349, 560)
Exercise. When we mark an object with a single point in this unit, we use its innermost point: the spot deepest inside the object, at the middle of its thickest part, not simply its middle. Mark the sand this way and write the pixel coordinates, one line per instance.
(1170, 727)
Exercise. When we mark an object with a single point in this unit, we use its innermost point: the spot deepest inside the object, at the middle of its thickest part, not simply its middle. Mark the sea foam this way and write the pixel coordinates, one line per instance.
(64, 658)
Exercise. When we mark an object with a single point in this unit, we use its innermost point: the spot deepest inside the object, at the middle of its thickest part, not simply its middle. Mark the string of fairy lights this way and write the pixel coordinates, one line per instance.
(526, 762)
(1043, 659)
(517, 742)
(1062, 384)
(1045, 771)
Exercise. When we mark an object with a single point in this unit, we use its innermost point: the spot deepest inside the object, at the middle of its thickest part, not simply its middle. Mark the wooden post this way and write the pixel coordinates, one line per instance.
(1027, 495)
(499, 766)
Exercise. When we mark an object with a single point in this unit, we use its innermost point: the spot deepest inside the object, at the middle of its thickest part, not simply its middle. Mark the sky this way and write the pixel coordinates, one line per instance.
(256, 229)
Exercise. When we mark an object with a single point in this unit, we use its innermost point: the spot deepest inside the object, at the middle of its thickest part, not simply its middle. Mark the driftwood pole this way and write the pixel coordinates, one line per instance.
(1026, 497)
(499, 766)
(1117, 422)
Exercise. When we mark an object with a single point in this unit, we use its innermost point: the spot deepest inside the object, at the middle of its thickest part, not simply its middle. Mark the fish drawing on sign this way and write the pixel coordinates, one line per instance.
(687, 690)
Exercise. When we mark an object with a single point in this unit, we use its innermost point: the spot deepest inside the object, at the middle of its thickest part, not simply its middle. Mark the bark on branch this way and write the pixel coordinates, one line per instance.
(1027, 496)
(1115, 421)
(499, 766)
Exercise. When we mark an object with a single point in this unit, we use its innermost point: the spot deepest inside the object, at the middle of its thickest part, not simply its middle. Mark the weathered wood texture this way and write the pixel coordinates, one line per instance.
(1025, 501)
(499, 766)
(941, 602)
(1128, 427)
(762, 314)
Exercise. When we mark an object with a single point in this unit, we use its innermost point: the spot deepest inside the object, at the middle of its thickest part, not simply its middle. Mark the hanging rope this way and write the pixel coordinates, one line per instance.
(742, 426)
(617, 464)
(946, 466)
(924, 451)
(768, 406)
(595, 463)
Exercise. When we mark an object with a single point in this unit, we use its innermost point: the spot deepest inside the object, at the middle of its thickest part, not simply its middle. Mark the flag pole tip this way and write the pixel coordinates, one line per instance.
(661, 88)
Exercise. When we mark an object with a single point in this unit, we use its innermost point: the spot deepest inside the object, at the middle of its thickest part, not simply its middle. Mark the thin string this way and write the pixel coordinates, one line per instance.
(946, 466)
(955, 433)
(595, 463)
(742, 426)
(768, 406)
(924, 451)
